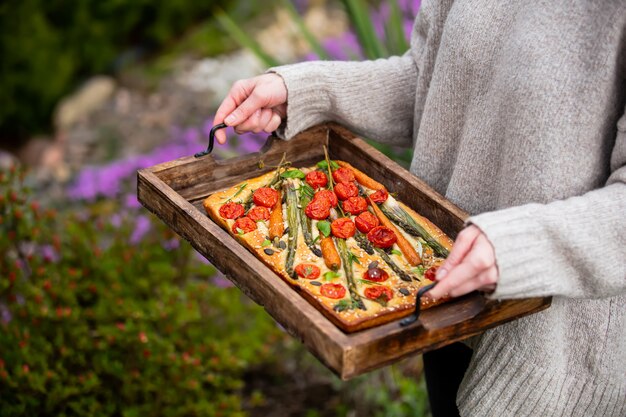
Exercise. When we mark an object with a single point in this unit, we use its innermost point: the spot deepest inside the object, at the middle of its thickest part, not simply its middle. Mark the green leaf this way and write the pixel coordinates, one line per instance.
(397, 43)
(239, 231)
(396, 252)
(324, 165)
(364, 28)
(266, 243)
(245, 40)
(324, 227)
(330, 275)
(292, 173)
(312, 40)
(419, 270)
(364, 281)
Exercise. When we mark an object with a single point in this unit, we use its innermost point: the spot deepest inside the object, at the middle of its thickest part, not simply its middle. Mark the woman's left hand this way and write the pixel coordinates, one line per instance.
(470, 266)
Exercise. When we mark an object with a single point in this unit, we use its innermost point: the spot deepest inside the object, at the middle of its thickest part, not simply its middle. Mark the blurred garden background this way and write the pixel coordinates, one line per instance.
(103, 310)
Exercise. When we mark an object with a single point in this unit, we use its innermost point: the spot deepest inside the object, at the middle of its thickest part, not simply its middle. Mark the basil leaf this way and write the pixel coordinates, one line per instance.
(266, 243)
(324, 165)
(240, 232)
(292, 173)
(330, 275)
(396, 252)
(324, 227)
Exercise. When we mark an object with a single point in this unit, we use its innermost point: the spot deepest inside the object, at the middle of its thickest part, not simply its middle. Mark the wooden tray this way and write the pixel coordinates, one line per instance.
(174, 192)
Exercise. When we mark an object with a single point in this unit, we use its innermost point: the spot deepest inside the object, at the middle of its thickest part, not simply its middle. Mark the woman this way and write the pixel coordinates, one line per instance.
(515, 111)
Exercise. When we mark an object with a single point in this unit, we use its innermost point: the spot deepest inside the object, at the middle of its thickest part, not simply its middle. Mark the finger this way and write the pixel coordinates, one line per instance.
(458, 276)
(478, 259)
(237, 94)
(462, 245)
(485, 281)
(249, 124)
(274, 123)
(264, 119)
(227, 106)
(254, 102)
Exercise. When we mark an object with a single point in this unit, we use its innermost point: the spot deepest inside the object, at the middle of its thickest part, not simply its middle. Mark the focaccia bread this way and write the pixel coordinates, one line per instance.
(351, 249)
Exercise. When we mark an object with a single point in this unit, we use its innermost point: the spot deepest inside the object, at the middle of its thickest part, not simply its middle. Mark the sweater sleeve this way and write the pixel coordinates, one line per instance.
(372, 98)
(573, 248)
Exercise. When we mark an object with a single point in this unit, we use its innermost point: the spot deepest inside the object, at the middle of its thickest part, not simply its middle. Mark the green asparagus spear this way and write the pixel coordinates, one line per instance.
(367, 247)
(342, 248)
(398, 215)
(292, 221)
(305, 222)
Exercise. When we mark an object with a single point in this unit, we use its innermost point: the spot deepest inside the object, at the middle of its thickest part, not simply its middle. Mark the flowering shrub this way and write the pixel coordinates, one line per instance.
(92, 324)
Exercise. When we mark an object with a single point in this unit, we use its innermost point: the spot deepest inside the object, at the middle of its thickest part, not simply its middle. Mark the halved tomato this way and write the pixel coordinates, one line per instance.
(334, 291)
(366, 221)
(231, 210)
(343, 228)
(259, 213)
(308, 271)
(316, 179)
(245, 224)
(265, 197)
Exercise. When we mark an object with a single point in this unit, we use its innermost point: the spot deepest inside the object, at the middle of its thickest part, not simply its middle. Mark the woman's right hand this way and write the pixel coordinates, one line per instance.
(253, 105)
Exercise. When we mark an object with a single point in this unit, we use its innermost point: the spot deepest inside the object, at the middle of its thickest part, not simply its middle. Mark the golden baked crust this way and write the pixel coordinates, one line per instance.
(350, 319)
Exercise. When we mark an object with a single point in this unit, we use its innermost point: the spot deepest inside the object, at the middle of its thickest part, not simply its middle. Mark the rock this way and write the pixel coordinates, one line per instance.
(7, 160)
(78, 106)
(216, 75)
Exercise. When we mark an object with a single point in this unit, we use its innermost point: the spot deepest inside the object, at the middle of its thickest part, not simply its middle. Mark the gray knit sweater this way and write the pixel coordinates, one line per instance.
(515, 111)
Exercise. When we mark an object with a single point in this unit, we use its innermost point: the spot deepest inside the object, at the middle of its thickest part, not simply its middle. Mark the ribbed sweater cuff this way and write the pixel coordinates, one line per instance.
(516, 239)
(308, 101)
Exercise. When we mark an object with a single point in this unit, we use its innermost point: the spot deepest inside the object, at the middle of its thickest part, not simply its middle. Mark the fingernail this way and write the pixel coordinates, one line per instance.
(230, 119)
(441, 273)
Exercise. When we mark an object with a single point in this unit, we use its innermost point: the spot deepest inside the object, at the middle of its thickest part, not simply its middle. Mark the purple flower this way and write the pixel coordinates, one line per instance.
(171, 244)
(5, 314)
(221, 282)
(202, 259)
(132, 202)
(49, 254)
(142, 226)
(116, 220)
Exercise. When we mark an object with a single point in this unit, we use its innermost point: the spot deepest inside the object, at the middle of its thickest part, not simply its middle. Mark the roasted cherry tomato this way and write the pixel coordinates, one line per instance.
(265, 197)
(259, 213)
(431, 273)
(343, 228)
(382, 236)
(366, 221)
(231, 210)
(308, 271)
(245, 224)
(380, 293)
(335, 291)
(318, 209)
(345, 191)
(326, 195)
(376, 275)
(355, 205)
(343, 176)
(379, 196)
(316, 179)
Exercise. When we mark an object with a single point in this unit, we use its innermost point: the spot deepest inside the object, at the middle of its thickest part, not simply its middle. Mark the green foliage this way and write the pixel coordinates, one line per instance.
(48, 45)
(91, 325)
